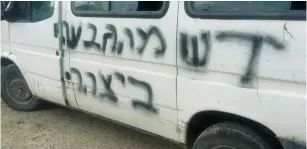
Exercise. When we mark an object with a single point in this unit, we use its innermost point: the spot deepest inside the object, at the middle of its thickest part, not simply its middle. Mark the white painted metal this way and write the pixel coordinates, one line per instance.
(5, 37)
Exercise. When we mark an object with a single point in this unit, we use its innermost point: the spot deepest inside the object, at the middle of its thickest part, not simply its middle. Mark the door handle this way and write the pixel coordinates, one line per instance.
(57, 53)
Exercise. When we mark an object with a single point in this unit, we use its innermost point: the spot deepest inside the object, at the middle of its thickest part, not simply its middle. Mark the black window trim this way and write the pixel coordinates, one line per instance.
(277, 15)
(141, 14)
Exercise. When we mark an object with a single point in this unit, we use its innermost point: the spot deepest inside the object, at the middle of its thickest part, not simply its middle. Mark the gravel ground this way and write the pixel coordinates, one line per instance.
(61, 128)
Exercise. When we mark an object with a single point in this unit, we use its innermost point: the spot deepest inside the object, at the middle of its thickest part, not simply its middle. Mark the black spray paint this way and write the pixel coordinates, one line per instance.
(144, 37)
(113, 29)
(256, 46)
(137, 103)
(120, 47)
(73, 39)
(195, 61)
(120, 77)
(129, 33)
(93, 78)
(206, 38)
(105, 38)
(185, 50)
(92, 42)
(107, 84)
(153, 30)
(77, 72)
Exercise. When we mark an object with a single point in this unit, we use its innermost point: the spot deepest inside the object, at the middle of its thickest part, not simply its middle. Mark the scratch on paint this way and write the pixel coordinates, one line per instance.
(294, 79)
(258, 90)
(286, 29)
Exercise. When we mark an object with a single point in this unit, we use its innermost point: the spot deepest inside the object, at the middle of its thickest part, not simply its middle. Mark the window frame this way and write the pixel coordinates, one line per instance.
(227, 15)
(133, 14)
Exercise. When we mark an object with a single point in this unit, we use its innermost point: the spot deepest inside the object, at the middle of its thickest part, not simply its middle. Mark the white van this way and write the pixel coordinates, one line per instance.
(208, 75)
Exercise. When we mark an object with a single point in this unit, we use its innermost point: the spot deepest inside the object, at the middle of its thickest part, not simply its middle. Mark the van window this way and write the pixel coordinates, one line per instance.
(247, 6)
(249, 9)
(106, 6)
(119, 8)
(41, 10)
(31, 11)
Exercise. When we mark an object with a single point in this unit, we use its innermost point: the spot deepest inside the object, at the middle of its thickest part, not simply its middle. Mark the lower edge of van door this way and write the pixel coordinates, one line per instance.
(292, 144)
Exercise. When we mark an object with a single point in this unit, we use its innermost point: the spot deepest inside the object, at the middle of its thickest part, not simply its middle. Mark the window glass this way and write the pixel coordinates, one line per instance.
(20, 11)
(91, 5)
(41, 10)
(118, 7)
(245, 6)
(124, 6)
(268, 10)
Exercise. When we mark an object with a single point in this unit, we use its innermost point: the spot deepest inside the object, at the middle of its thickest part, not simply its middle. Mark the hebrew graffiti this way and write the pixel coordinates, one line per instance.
(77, 72)
(93, 78)
(129, 33)
(107, 84)
(256, 46)
(105, 38)
(72, 37)
(145, 37)
(113, 30)
(188, 44)
(196, 60)
(137, 103)
(120, 77)
(109, 94)
(92, 42)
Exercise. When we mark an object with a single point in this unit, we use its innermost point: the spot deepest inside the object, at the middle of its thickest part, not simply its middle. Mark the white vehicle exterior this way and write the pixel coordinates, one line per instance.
(170, 71)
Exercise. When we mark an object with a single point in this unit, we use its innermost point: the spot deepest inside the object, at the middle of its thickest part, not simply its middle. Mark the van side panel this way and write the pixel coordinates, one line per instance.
(114, 78)
(219, 79)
